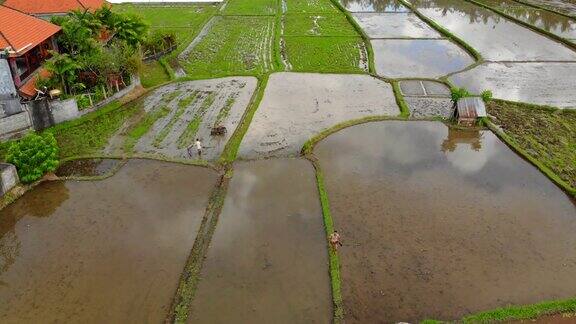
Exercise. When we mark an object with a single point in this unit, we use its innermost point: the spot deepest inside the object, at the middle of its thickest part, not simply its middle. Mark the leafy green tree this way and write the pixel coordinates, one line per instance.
(34, 155)
(65, 69)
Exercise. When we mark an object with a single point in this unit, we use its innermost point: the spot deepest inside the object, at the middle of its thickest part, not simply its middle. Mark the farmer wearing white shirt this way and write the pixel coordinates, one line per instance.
(199, 147)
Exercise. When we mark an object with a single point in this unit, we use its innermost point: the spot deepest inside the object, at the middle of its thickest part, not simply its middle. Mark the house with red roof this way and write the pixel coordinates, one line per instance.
(47, 8)
(26, 42)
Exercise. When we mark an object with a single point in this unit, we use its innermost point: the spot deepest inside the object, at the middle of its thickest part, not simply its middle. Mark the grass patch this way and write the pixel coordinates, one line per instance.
(317, 25)
(523, 312)
(187, 136)
(326, 54)
(153, 74)
(251, 7)
(144, 127)
(231, 149)
(182, 104)
(544, 135)
(310, 6)
(90, 134)
(235, 45)
(404, 110)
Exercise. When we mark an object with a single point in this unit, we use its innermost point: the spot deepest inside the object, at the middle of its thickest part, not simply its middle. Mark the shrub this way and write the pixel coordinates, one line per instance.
(459, 93)
(486, 95)
(33, 156)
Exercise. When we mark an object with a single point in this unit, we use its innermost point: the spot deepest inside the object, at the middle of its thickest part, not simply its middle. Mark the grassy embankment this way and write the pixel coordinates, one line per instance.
(185, 21)
(544, 135)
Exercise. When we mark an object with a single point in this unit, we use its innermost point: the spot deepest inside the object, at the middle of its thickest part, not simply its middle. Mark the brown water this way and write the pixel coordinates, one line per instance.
(267, 262)
(496, 38)
(101, 252)
(87, 167)
(440, 224)
(374, 6)
(544, 19)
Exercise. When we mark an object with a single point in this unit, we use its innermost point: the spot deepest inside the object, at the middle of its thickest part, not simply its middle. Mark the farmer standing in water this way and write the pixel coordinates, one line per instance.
(199, 147)
(335, 240)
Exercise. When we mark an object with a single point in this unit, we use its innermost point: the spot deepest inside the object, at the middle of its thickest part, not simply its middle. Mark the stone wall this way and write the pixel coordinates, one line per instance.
(15, 123)
(64, 110)
(8, 178)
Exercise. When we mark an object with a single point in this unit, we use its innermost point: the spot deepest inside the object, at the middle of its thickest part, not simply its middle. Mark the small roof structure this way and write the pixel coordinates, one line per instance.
(20, 32)
(53, 7)
(471, 108)
(28, 89)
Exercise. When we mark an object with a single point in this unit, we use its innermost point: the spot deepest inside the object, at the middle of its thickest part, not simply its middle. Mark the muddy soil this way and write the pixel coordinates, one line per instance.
(297, 106)
(538, 83)
(440, 223)
(403, 58)
(267, 262)
(87, 167)
(101, 252)
(496, 38)
(427, 98)
(374, 6)
(218, 102)
(394, 25)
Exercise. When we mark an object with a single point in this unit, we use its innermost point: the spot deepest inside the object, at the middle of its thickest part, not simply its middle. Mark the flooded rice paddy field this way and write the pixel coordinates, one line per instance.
(189, 110)
(373, 6)
(544, 19)
(496, 38)
(297, 106)
(439, 223)
(394, 25)
(427, 98)
(267, 262)
(538, 83)
(426, 58)
(567, 7)
(109, 251)
(87, 167)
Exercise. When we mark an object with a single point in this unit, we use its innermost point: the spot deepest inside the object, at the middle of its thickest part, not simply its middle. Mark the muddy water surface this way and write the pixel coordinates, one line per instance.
(101, 252)
(267, 262)
(439, 223)
(495, 37)
(87, 167)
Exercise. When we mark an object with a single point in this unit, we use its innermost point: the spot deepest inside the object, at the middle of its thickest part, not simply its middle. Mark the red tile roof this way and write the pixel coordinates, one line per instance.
(28, 89)
(36, 7)
(22, 32)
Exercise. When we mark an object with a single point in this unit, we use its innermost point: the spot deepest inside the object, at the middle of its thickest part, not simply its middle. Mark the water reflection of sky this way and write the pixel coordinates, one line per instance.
(373, 6)
(409, 150)
(495, 37)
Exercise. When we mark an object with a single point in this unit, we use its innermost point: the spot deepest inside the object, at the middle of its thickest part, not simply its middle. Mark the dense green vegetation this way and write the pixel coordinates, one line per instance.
(317, 25)
(235, 45)
(33, 156)
(310, 6)
(184, 21)
(252, 7)
(544, 133)
(319, 38)
(90, 134)
(326, 54)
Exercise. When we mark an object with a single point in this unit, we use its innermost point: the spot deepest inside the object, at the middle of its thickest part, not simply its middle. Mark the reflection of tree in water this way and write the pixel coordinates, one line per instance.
(40, 202)
(478, 14)
(458, 136)
(378, 5)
